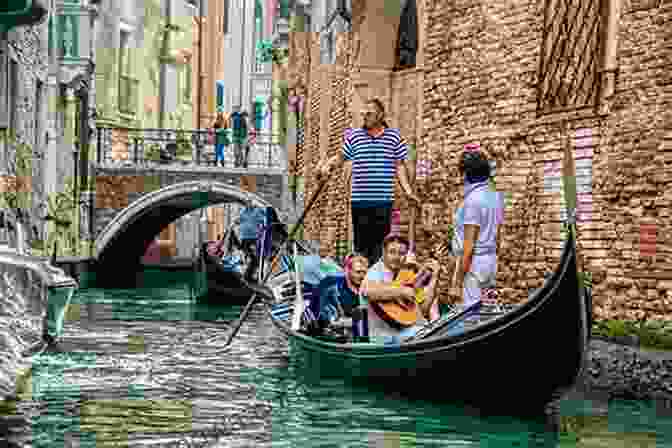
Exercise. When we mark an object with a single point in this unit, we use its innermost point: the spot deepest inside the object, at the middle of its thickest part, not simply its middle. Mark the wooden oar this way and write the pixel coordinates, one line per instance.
(290, 237)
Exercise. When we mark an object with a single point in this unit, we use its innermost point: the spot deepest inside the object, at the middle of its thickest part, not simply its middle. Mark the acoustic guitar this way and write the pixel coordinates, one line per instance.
(401, 316)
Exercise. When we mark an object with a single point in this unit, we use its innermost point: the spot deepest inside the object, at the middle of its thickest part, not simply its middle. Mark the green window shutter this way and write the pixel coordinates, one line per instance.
(15, 13)
(14, 7)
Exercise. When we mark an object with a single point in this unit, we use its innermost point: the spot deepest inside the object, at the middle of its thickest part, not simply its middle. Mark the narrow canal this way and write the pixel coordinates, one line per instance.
(144, 367)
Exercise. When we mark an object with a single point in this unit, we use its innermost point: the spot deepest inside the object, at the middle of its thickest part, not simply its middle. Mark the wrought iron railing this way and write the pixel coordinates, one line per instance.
(149, 147)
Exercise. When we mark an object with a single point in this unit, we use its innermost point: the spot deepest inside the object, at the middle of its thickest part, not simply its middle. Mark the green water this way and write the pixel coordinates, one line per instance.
(145, 367)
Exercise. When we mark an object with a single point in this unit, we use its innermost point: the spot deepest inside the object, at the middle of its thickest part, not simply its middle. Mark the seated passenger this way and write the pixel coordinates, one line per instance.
(379, 286)
(338, 297)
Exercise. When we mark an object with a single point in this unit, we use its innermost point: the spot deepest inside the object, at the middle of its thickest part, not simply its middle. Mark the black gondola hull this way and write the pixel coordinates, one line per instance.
(525, 357)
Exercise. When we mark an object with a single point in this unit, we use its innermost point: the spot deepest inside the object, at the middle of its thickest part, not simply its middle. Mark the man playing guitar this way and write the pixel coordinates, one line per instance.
(393, 311)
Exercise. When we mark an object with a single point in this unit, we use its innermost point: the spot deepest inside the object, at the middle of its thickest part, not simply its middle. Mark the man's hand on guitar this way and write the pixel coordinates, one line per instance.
(406, 297)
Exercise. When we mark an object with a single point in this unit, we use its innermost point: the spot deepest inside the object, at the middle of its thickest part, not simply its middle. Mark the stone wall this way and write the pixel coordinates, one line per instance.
(23, 303)
(116, 188)
(27, 46)
(481, 75)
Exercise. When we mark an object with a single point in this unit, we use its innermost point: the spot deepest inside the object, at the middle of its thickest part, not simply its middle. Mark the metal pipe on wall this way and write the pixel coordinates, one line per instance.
(200, 64)
(610, 51)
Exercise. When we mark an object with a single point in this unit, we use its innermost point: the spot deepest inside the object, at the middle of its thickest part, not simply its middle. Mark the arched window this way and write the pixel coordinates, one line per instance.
(407, 41)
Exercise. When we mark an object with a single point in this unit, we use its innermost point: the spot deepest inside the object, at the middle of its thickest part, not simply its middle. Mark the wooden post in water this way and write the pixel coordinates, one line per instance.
(298, 300)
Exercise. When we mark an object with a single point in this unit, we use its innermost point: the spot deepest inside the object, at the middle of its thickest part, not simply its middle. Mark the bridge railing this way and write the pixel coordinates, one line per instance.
(148, 147)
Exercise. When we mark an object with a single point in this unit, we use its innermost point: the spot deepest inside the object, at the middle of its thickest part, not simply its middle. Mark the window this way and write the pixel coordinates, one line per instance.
(4, 102)
(328, 55)
(13, 95)
(187, 81)
(127, 85)
(407, 41)
(37, 113)
(568, 72)
(225, 17)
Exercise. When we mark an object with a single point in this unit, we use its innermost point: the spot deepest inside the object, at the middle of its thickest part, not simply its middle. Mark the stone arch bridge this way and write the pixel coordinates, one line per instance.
(131, 209)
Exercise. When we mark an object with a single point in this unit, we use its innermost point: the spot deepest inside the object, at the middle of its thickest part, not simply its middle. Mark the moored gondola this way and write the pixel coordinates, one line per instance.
(525, 355)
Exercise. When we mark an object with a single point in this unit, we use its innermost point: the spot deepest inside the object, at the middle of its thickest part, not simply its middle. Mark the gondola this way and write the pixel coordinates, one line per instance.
(225, 283)
(525, 355)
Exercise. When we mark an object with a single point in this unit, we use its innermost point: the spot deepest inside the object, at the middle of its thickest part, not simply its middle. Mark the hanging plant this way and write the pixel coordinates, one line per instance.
(264, 52)
(280, 55)
(16, 194)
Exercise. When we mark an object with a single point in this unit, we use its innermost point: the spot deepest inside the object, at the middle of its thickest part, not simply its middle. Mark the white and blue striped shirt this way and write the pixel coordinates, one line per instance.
(374, 165)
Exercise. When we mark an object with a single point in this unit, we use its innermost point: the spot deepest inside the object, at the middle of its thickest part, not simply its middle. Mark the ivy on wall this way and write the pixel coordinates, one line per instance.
(15, 193)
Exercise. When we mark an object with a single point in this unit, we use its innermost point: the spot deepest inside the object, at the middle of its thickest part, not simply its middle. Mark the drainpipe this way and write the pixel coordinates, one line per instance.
(162, 66)
(200, 64)
(242, 56)
(609, 61)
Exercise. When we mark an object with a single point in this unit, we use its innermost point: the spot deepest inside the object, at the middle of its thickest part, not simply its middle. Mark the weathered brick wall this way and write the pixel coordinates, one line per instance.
(116, 188)
(480, 87)
(481, 79)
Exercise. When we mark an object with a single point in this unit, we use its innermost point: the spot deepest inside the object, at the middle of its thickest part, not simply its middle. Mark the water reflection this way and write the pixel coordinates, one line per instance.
(146, 367)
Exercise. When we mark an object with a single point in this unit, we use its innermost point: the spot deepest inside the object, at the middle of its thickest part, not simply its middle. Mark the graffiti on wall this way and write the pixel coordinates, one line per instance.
(583, 144)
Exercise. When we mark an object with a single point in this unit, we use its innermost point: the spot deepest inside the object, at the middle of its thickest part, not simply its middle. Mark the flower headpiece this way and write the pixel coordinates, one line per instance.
(472, 147)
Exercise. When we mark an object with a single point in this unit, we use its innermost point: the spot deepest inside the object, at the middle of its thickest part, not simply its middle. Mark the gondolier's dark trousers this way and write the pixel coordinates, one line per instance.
(370, 226)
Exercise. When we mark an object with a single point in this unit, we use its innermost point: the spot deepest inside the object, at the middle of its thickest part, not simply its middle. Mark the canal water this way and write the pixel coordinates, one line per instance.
(145, 367)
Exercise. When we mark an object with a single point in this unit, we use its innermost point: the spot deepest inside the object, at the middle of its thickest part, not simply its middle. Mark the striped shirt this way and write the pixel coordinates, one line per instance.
(374, 165)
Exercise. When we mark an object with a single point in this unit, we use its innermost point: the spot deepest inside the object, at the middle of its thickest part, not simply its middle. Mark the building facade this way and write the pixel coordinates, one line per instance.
(145, 63)
(24, 112)
(507, 76)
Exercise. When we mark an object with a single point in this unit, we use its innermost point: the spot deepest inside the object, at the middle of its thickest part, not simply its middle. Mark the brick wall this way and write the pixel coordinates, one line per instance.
(116, 188)
(480, 87)
(481, 79)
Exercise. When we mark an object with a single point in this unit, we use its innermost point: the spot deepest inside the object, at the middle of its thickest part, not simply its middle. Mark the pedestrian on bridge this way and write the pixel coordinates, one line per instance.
(221, 138)
(241, 148)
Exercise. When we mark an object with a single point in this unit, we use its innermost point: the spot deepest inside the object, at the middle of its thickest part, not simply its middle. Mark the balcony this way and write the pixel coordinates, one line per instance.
(262, 68)
(128, 95)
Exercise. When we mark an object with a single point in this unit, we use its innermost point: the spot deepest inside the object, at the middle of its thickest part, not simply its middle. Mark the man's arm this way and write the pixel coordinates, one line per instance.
(402, 172)
(430, 296)
(470, 237)
(380, 292)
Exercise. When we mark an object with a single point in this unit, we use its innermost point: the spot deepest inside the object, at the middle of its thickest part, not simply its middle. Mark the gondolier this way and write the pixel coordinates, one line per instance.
(377, 153)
